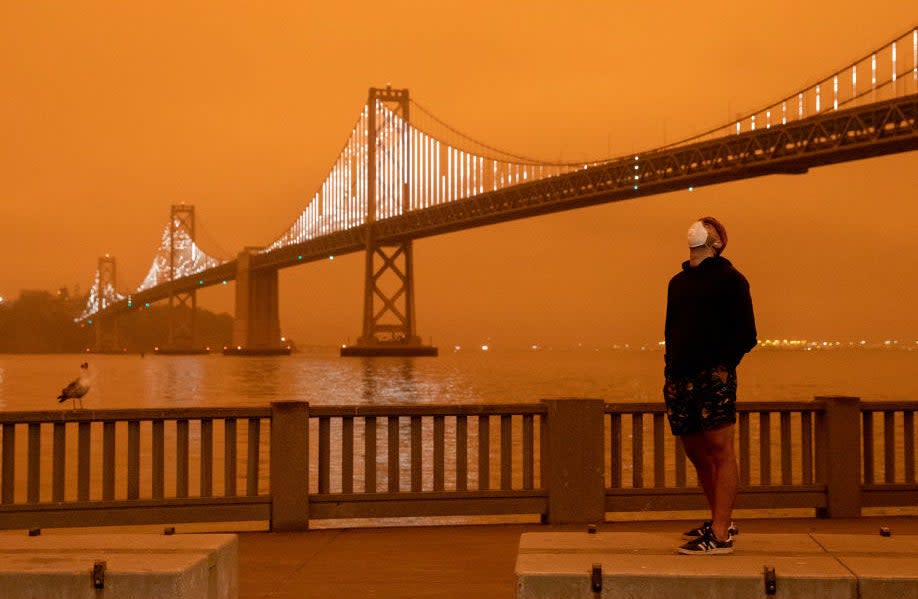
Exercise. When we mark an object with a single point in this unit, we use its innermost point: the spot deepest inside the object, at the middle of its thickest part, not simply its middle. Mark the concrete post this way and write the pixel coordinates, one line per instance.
(289, 466)
(572, 460)
(839, 437)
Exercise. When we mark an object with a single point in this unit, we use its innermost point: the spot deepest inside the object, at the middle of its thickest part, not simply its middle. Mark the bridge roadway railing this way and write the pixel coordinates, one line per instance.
(566, 460)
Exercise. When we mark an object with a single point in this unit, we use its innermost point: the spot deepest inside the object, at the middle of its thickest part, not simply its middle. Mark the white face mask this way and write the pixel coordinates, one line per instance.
(697, 235)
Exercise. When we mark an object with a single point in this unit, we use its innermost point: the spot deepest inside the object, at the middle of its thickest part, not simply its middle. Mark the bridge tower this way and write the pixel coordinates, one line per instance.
(107, 340)
(182, 304)
(256, 326)
(388, 304)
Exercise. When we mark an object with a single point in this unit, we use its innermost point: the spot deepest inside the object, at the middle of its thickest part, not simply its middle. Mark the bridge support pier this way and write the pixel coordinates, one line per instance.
(182, 329)
(390, 329)
(256, 328)
(107, 340)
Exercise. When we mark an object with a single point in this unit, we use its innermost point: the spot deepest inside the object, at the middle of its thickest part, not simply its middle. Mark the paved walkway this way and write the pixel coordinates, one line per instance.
(449, 562)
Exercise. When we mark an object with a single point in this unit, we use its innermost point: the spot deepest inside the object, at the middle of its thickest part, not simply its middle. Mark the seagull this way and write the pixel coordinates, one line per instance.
(77, 387)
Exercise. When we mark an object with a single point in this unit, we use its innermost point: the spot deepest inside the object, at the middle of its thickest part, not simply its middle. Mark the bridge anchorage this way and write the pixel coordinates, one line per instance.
(388, 301)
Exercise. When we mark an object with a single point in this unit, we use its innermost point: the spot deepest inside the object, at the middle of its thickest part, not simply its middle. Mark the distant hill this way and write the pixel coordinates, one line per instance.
(43, 322)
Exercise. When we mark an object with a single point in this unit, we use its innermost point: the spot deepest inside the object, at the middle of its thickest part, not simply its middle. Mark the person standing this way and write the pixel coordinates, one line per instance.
(710, 326)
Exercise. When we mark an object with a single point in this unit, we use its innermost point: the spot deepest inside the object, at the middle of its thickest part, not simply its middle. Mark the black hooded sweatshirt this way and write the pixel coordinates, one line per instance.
(709, 318)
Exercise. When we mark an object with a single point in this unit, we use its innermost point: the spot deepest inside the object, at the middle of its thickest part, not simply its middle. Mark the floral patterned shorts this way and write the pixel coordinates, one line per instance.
(701, 402)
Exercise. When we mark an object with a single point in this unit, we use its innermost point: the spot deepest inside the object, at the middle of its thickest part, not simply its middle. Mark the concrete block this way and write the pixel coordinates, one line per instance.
(883, 577)
(646, 565)
(884, 566)
(567, 576)
(220, 550)
(34, 575)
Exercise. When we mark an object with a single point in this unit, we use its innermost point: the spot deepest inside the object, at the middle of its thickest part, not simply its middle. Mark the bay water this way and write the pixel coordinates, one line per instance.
(321, 377)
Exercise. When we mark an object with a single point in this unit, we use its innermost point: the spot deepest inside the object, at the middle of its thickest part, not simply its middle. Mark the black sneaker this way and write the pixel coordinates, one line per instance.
(708, 544)
(694, 533)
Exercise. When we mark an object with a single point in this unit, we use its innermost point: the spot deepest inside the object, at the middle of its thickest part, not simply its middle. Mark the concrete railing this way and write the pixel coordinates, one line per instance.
(568, 460)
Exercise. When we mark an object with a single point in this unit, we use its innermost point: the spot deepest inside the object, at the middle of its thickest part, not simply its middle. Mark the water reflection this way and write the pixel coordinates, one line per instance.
(389, 380)
(173, 381)
(30, 382)
(257, 379)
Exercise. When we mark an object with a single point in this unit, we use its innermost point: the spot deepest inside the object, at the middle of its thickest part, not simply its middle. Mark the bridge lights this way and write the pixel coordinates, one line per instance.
(200, 281)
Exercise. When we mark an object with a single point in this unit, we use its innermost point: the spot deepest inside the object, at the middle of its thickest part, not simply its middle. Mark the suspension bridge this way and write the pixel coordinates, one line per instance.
(403, 175)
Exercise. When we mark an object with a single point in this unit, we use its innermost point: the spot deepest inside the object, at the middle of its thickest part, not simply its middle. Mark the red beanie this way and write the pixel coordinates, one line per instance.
(721, 231)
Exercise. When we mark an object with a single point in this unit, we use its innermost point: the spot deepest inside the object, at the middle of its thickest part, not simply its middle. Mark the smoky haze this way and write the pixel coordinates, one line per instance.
(112, 112)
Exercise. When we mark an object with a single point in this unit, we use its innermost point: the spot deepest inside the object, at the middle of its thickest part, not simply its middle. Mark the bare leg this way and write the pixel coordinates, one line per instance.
(696, 451)
(726, 477)
(712, 453)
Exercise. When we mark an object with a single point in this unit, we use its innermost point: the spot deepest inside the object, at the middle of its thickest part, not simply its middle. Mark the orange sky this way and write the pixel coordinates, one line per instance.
(112, 111)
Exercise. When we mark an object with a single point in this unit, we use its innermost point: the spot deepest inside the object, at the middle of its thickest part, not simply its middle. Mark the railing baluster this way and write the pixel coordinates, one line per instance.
(637, 450)
(889, 449)
(484, 452)
(84, 445)
(528, 450)
(506, 451)
(439, 452)
(806, 446)
(207, 457)
(416, 454)
(229, 457)
(369, 455)
(159, 458)
(108, 461)
(765, 448)
(615, 450)
(786, 457)
(34, 477)
(59, 468)
(462, 452)
(252, 457)
(133, 464)
(347, 454)
(867, 432)
(324, 454)
(745, 466)
(9, 463)
(393, 473)
(908, 426)
(659, 457)
(181, 457)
